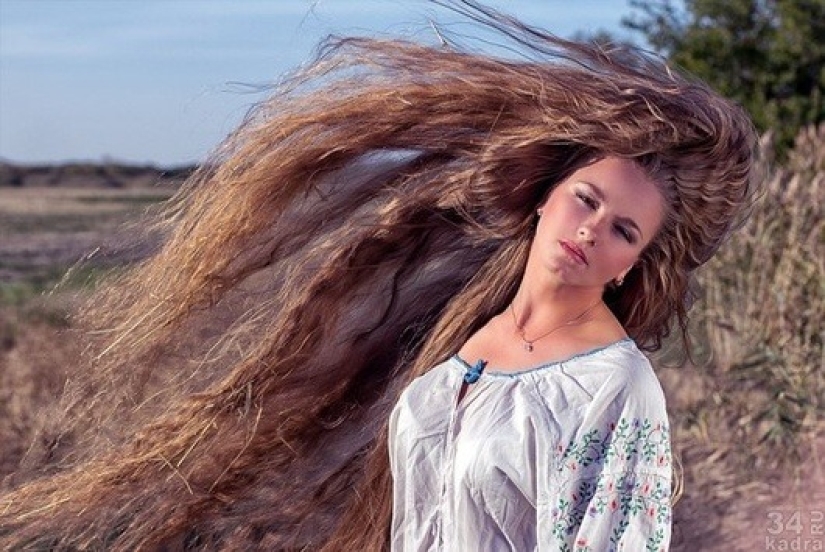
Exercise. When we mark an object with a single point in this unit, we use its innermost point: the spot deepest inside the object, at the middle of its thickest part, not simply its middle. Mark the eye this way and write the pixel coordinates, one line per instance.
(587, 200)
(626, 234)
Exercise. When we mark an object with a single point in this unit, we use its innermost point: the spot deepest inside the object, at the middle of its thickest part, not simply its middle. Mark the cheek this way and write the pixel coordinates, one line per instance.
(569, 214)
(623, 257)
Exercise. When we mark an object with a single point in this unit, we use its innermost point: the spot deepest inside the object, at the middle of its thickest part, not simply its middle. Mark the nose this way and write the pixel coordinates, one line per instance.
(587, 235)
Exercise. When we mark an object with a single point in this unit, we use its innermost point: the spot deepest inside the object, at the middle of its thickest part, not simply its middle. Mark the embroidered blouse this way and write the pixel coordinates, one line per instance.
(567, 456)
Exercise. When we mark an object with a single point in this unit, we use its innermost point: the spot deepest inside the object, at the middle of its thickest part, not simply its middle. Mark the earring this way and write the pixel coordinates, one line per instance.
(539, 211)
(618, 281)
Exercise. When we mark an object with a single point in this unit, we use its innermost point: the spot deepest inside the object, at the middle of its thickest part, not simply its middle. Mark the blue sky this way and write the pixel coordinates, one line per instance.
(157, 81)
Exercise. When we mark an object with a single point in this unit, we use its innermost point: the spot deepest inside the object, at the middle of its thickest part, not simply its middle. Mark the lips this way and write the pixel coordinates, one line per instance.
(574, 251)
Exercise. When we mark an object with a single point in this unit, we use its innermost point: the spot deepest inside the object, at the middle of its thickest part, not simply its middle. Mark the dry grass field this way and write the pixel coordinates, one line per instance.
(44, 230)
(747, 412)
(54, 243)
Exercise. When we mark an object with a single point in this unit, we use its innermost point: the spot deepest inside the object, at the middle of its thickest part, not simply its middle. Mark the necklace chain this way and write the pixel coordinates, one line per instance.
(528, 343)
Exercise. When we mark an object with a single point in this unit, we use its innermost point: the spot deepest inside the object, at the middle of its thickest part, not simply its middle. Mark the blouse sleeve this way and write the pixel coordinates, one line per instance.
(608, 486)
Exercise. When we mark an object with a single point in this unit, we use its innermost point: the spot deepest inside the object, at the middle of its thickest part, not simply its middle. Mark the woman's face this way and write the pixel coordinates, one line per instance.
(596, 222)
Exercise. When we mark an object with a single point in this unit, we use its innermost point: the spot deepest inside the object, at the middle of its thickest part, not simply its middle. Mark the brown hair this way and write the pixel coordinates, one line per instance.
(353, 232)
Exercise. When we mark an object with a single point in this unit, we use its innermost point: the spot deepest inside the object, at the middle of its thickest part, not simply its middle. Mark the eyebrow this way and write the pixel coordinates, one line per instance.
(624, 220)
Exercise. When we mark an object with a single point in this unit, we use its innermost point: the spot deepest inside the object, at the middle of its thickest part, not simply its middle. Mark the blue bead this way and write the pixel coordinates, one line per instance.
(472, 374)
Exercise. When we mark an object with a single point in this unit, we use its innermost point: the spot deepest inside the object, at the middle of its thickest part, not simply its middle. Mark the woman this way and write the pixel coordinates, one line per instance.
(567, 443)
(397, 217)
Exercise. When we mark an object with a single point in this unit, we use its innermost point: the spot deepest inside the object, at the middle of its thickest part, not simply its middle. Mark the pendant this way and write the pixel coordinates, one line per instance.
(528, 346)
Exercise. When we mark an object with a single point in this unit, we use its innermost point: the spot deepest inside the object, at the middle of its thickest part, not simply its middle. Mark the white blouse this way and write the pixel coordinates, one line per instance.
(572, 455)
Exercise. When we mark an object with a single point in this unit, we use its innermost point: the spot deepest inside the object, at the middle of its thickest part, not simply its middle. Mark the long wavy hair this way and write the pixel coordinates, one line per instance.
(356, 229)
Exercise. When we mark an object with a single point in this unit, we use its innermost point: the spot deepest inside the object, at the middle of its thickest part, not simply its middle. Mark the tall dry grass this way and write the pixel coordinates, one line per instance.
(764, 304)
(749, 414)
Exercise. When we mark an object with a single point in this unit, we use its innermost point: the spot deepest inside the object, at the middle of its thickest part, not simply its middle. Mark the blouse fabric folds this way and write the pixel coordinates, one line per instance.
(568, 456)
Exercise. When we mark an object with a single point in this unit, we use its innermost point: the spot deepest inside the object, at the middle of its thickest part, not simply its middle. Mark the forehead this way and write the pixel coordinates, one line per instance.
(622, 178)
(617, 173)
(625, 186)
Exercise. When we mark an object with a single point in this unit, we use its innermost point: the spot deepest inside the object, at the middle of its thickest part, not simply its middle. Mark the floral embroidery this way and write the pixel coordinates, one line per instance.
(627, 440)
(654, 543)
(620, 474)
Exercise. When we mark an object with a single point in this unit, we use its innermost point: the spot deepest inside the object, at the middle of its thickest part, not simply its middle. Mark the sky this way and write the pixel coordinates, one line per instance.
(162, 82)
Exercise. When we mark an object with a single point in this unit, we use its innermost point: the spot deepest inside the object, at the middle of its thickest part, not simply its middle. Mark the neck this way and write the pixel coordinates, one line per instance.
(538, 309)
(528, 343)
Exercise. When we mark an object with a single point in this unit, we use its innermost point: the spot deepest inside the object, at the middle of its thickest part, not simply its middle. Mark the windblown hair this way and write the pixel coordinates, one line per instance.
(356, 229)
